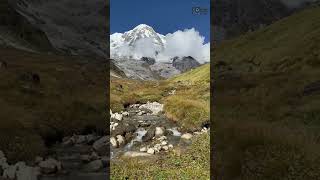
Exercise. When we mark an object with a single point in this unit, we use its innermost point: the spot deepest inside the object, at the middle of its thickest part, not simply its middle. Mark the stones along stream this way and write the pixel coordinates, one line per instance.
(143, 130)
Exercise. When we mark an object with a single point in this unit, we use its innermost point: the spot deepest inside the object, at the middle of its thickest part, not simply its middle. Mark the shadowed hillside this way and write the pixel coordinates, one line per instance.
(46, 97)
(267, 101)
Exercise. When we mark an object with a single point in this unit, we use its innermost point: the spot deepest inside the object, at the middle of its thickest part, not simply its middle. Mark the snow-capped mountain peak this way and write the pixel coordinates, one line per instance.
(120, 43)
(140, 32)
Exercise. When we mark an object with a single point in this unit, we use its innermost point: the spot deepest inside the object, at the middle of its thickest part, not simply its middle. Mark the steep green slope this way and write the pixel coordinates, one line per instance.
(267, 101)
(198, 75)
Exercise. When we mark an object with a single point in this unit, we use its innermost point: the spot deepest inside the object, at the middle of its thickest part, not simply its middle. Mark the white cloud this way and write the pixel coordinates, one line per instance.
(146, 48)
(188, 42)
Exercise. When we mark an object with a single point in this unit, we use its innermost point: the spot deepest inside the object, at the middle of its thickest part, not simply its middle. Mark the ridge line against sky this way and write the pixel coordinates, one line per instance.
(167, 16)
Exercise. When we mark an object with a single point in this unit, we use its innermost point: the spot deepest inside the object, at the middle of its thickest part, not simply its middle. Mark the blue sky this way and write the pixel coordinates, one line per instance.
(165, 16)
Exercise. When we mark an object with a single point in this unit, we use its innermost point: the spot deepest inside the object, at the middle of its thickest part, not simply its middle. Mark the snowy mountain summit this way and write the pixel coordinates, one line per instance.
(143, 31)
(136, 43)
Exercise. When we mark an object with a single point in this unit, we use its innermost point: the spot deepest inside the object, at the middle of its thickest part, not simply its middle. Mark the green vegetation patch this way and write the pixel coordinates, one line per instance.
(194, 163)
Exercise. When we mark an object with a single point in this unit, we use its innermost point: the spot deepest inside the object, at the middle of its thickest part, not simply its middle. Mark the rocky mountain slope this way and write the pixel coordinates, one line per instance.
(16, 31)
(267, 101)
(73, 27)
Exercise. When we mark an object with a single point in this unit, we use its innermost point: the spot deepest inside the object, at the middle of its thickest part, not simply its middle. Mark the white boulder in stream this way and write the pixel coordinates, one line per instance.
(125, 113)
(155, 107)
(120, 140)
(159, 132)
(143, 149)
(186, 136)
(166, 148)
(116, 116)
(113, 126)
(113, 142)
(151, 151)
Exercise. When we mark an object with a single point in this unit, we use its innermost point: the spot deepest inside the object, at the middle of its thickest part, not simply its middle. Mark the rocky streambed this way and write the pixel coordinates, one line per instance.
(81, 157)
(142, 130)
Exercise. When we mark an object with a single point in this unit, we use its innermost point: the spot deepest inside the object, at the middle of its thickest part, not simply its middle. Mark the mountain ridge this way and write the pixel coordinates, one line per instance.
(126, 48)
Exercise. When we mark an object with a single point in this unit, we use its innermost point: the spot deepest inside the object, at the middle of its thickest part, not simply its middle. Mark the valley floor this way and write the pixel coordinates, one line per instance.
(186, 100)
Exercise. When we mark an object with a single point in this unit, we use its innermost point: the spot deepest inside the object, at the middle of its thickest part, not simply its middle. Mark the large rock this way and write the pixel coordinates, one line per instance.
(149, 135)
(148, 60)
(120, 140)
(27, 173)
(185, 63)
(113, 142)
(81, 139)
(186, 136)
(123, 129)
(155, 107)
(94, 166)
(50, 166)
(101, 145)
(10, 172)
(85, 158)
(38, 159)
(113, 126)
(150, 151)
(91, 138)
(143, 149)
(159, 131)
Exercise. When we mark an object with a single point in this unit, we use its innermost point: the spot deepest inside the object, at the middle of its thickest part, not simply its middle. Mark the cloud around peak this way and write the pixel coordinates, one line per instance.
(188, 42)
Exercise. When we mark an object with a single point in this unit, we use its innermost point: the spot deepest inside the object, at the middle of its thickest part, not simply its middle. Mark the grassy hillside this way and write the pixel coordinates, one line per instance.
(267, 101)
(193, 163)
(45, 97)
(189, 107)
